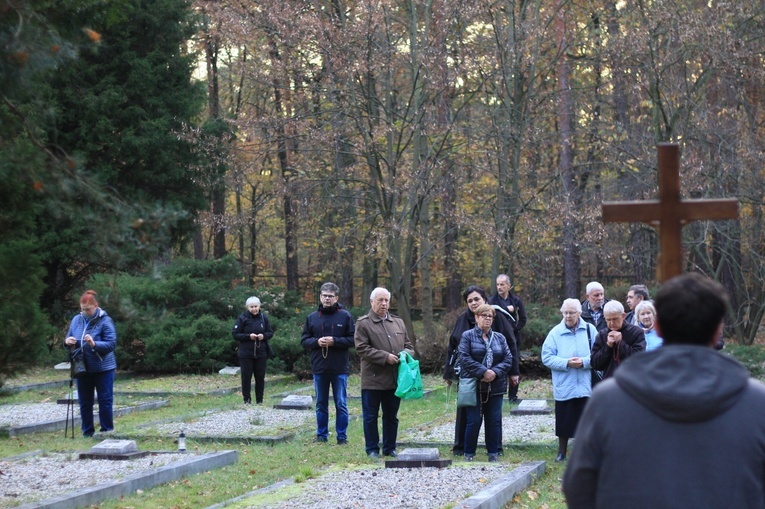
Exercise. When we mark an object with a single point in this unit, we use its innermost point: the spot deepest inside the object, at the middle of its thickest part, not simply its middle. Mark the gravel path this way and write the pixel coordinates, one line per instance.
(391, 488)
(247, 421)
(38, 477)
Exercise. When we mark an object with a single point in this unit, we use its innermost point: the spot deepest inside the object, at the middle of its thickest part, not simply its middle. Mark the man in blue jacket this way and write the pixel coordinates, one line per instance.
(327, 336)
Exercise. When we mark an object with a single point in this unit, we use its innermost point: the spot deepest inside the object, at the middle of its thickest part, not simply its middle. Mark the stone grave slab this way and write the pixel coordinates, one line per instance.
(66, 399)
(296, 402)
(230, 370)
(114, 450)
(418, 457)
(532, 407)
(63, 366)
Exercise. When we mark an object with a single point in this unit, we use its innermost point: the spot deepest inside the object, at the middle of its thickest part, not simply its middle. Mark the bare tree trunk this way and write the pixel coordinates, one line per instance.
(571, 224)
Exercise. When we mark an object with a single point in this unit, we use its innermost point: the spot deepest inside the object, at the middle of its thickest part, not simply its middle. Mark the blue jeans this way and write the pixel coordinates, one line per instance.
(371, 401)
(492, 420)
(103, 384)
(339, 384)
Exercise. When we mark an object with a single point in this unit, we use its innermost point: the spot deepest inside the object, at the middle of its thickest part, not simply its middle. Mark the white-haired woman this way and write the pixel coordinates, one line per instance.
(253, 331)
(646, 316)
(566, 351)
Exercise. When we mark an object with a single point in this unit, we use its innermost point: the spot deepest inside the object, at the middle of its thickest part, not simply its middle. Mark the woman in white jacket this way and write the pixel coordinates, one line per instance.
(566, 351)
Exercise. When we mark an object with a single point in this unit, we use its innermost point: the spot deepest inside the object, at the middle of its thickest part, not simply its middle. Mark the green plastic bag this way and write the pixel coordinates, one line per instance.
(409, 378)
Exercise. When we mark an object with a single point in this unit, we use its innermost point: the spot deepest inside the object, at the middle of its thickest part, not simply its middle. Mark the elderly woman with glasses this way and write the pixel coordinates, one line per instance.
(566, 351)
(484, 355)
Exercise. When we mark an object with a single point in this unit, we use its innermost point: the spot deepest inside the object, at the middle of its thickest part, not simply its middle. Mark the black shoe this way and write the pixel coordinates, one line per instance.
(392, 454)
(458, 452)
(560, 457)
(342, 441)
(320, 439)
(374, 455)
(493, 458)
(469, 457)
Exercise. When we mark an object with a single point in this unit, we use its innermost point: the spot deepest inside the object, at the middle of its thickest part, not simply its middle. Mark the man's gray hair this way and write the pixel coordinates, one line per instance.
(330, 288)
(378, 290)
(505, 277)
(593, 285)
(613, 306)
(251, 301)
(571, 303)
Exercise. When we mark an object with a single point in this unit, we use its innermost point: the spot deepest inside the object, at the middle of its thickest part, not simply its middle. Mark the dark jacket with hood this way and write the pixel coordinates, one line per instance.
(332, 321)
(247, 324)
(680, 426)
(466, 321)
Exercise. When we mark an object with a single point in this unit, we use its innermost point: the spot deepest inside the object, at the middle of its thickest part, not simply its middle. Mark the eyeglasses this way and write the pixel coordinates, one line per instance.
(490, 317)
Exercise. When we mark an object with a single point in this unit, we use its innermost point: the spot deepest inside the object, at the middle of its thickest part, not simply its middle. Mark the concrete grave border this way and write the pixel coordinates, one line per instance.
(58, 425)
(140, 481)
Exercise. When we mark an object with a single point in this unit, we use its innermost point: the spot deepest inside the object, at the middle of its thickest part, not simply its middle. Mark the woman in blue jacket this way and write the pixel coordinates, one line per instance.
(253, 331)
(484, 355)
(566, 351)
(92, 331)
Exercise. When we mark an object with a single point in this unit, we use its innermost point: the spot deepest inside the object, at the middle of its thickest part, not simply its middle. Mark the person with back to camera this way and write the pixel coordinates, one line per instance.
(327, 336)
(484, 354)
(681, 426)
(474, 296)
(93, 331)
(566, 351)
(253, 331)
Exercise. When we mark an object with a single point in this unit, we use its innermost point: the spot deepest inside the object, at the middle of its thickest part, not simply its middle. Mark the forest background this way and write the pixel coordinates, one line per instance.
(179, 156)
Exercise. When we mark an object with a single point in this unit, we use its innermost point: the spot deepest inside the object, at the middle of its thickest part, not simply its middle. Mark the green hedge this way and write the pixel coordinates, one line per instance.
(179, 317)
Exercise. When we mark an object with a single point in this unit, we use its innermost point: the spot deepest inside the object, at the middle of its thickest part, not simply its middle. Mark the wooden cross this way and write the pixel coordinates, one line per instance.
(669, 213)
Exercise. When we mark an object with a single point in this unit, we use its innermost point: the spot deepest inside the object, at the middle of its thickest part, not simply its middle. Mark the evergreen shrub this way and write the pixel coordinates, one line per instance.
(178, 318)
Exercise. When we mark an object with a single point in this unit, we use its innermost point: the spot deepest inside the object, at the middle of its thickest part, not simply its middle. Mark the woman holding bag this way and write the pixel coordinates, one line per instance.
(93, 331)
(253, 331)
(485, 356)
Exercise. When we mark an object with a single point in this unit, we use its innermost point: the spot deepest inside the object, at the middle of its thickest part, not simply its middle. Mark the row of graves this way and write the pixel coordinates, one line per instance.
(127, 468)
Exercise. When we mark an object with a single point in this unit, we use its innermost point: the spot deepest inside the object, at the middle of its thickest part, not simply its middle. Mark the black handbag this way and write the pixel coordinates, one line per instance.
(77, 363)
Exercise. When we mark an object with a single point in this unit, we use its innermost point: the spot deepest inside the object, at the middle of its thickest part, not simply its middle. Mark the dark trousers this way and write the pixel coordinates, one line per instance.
(103, 384)
(255, 367)
(371, 402)
(460, 422)
(491, 411)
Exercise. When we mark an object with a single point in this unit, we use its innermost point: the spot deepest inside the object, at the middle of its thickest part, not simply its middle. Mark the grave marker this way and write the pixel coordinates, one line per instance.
(230, 370)
(296, 402)
(531, 407)
(418, 457)
(114, 450)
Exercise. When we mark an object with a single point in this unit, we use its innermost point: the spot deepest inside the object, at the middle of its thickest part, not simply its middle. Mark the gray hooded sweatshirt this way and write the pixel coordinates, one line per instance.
(678, 427)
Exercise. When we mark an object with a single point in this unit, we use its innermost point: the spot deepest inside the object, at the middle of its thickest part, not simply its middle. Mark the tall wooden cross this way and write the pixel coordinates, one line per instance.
(669, 213)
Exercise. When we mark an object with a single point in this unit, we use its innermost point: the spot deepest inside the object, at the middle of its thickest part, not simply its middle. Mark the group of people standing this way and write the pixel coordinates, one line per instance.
(484, 338)
(484, 345)
(592, 340)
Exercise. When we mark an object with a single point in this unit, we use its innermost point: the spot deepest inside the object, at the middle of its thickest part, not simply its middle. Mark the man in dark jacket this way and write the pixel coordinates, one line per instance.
(592, 305)
(512, 305)
(620, 340)
(679, 426)
(327, 336)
